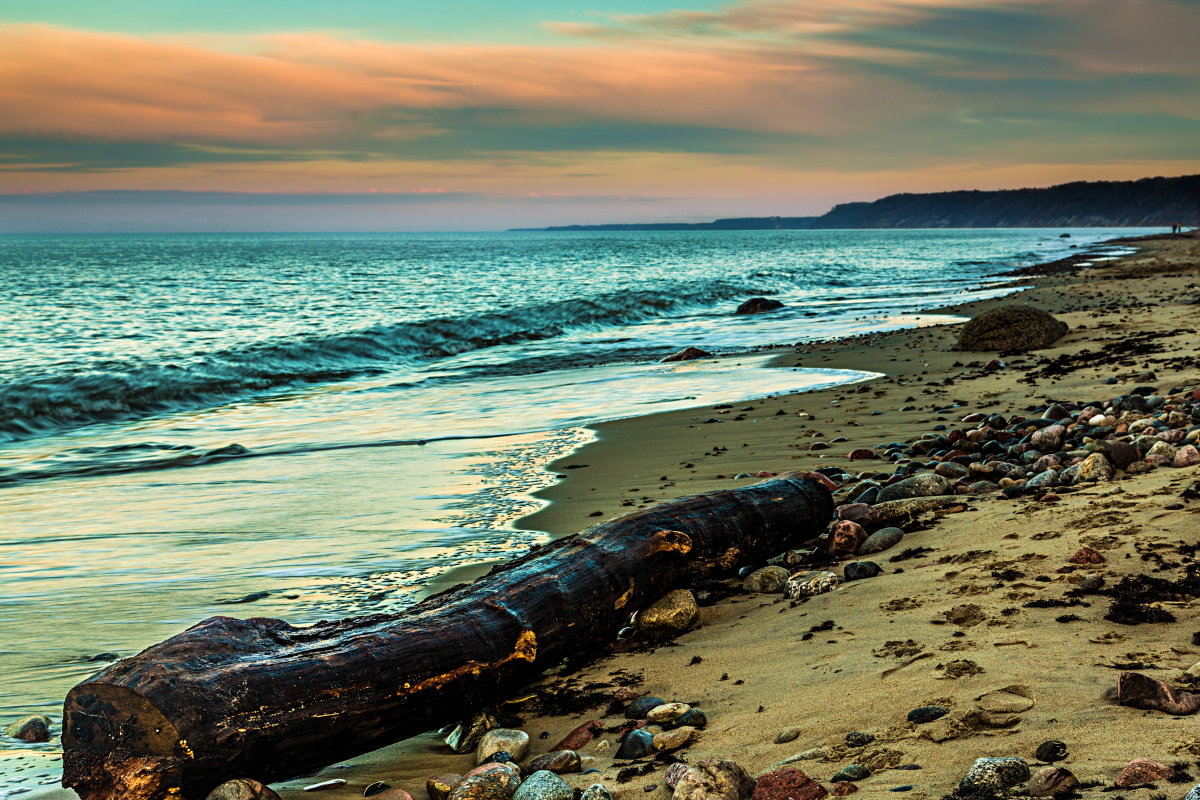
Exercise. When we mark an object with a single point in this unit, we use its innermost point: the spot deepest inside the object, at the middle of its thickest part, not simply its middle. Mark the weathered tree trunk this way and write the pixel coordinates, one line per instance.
(259, 698)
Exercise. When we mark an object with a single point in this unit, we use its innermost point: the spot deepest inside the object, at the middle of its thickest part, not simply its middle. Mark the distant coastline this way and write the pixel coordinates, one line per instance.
(1149, 202)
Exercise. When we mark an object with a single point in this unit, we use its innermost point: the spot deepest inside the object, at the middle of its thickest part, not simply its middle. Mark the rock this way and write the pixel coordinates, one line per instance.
(687, 354)
(439, 787)
(950, 470)
(860, 512)
(597, 791)
(639, 708)
(843, 788)
(673, 773)
(714, 780)
(844, 538)
(496, 740)
(859, 738)
(787, 735)
(881, 540)
(34, 728)
(1048, 439)
(465, 738)
(1086, 555)
(1094, 469)
(674, 739)
(1009, 700)
(1051, 781)
(1161, 449)
(852, 772)
(758, 305)
(581, 736)
(667, 712)
(673, 614)
(927, 485)
(925, 714)
(694, 718)
(486, 782)
(559, 762)
(1051, 751)
(242, 789)
(1194, 794)
(1141, 691)
(544, 785)
(768, 580)
(994, 774)
(638, 743)
(1010, 327)
(862, 454)
(787, 784)
(860, 570)
(810, 584)
(1186, 456)
(1142, 770)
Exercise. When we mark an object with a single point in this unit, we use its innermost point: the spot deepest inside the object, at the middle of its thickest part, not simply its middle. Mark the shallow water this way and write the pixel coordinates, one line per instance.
(188, 420)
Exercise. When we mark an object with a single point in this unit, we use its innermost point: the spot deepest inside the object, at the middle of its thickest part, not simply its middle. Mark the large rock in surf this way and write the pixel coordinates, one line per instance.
(687, 354)
(1010, 327)
(758, 305)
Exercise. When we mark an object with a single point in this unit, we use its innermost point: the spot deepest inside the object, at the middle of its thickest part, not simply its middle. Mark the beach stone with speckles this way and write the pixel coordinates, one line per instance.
(994, 774)
(544, 785)
(768, 580)
(810, 584)
(242, 789)
(674, 613)
(714, 780)
(512, 741)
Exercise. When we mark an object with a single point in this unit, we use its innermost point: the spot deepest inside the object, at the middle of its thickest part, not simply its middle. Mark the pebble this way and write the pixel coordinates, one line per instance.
(638, 743)
(465, 738)
(810, 584)
(34, 728)
(488, 782)
(994, 774)
(667, 712)
(1142, 770)
(597, 791)
(675, 739)
(556, 761)
(917, 486)
(695, 718)
(859, 738)
(881, 540)
(714, 780)
(242, 789)
(788, 784)
(673, 773)
(439, 786)
(860, 570)
(515, 742)
(639, 708)
(1086, 555)
(844, 538)
(1051, 781)
(787, 735)
(843, 788)
(768, 580)
(581, 736)
(544, 785)
(925, 714)
(673, 614)
(1051, 751)
(852, 772)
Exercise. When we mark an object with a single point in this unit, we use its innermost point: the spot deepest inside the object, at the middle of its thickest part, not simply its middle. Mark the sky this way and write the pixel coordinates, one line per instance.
(380, 115)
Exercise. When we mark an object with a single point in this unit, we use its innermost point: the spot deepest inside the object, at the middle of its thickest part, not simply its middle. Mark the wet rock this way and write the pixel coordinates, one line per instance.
(862, 454)
(994, 774)
(860, 570)
(34, 728)
(687, 354)
(1052, 781)
(597, 791)
(1141, 691)
(810, 584)
(559, 762)
(638, 743)
(925, 714)
(639, 708)
(1051, 751)
(581, 736)
(714, 780)
(674, 739)
(1086, 555)
(1010, 327)
(667, 712)
(465, 738)
(768, 580)
(927, 485)
(496, 740)
(694, 718)
(673, 614)
(759, 305)
(881, 540)
(544, 785)
(787, 784)
(844, 538)
(242, 789)
(1142, 770)
(438, 787)
(852, 772)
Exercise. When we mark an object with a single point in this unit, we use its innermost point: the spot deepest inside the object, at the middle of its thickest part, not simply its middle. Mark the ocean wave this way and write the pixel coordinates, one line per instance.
(83, 395)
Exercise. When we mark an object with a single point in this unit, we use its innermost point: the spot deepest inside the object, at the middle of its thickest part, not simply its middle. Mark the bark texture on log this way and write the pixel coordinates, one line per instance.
(259, 698)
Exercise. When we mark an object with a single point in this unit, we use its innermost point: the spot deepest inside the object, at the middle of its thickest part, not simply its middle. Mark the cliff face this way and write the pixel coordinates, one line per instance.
(1150, 201)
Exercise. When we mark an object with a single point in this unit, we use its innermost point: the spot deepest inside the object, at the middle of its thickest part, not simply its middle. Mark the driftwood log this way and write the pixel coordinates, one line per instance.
(259, 698)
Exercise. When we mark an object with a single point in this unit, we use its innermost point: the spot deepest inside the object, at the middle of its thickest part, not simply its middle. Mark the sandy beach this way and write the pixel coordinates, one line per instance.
(948, 624)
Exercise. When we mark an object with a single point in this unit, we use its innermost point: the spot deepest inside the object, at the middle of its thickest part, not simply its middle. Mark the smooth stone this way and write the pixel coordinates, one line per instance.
(487, 782)
(1164, 450)
(639, 708)
(687, 354)
(694, 718)
(925, 714)
(810, 584)
(465, 738)
(558, 761)
(787, 784)
(714, 780)
(674, 739)
(1142, 770)
(242, 789)
(787, 735)
(994, 774)
(1095, 468)
(597, 791)
(861, 570)
(667, 712)
(496, 740)
(672, 614)
(581, 736)
(544, 785)
(851, 773)
(33, 728)
(881, 540)
(1051, 751)
(638, 743)
(768, 580)
(1186, 456)
(859, 738)
(439, 786)
(948, 469)
(1051, 781)
(928, 485)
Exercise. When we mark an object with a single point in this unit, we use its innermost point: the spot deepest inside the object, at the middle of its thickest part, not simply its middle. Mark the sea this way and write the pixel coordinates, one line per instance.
(312, 426)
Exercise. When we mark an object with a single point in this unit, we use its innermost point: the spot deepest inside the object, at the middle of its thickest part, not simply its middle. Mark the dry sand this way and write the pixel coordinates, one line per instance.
(887, 645)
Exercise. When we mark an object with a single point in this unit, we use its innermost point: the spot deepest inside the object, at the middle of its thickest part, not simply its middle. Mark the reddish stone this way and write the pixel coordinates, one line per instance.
(578, 738)
(844, 538)
(819, 477)
(843, 788)
(1142, 770)
(1049, 498)
(1086, 555)
(1142, 691)
(862, 454)
(765, 474)
(788, 784)
(861, 513)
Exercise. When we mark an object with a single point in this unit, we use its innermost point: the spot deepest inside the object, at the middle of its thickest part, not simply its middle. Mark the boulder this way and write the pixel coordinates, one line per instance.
(758, 305)
(1010, 327)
